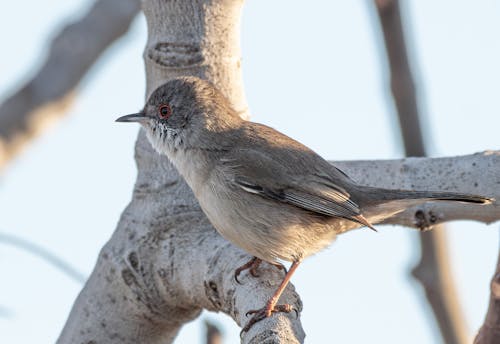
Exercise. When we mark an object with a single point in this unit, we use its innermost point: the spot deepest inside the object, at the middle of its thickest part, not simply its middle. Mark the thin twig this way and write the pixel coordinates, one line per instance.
(73, 51)
(45, 254)
(433, 270)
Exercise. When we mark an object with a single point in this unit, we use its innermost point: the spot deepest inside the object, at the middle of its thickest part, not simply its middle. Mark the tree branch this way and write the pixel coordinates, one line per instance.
(433, 270)
(74, 50)
(475, 174)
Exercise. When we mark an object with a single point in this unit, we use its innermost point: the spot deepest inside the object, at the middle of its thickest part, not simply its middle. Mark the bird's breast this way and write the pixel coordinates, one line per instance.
(193, 167)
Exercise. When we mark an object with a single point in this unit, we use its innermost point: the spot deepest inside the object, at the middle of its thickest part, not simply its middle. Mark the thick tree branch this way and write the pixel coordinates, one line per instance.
(74, 50)
(434, 268)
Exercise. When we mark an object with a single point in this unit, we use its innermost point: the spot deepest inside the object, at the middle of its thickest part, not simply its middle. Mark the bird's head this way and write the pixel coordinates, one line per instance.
(185, 112)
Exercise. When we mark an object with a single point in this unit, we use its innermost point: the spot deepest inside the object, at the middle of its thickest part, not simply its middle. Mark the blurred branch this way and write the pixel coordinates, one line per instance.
(5, 312)
(435, 274)
(45, 254)
(73, 51)
(489, 333)
(434, 270)
(213, 334)
(402, 84)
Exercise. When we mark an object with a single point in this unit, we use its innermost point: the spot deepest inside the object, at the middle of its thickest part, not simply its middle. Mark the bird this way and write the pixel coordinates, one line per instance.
(263, 191)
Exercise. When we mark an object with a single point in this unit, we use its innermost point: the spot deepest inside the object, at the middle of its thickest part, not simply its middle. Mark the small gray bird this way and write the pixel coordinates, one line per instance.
(263, 191)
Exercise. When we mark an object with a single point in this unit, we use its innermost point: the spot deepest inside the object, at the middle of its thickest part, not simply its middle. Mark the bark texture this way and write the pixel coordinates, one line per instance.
(433, 270)
(74, 50)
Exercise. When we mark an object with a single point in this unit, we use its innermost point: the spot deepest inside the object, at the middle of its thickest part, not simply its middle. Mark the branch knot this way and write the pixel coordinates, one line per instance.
(176, 55)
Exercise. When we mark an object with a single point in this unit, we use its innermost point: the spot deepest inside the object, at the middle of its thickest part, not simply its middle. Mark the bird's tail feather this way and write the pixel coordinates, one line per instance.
(377, 195)
(380, 204)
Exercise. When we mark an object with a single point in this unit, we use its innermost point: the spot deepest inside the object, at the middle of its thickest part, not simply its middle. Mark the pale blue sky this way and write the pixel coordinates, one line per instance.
(312, 71)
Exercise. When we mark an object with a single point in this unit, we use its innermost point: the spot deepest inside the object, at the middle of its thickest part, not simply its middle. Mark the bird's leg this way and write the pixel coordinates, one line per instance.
(271, 305)
(252, 265)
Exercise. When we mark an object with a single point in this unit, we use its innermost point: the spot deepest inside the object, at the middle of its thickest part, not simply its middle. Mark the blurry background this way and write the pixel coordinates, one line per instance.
(314, 71)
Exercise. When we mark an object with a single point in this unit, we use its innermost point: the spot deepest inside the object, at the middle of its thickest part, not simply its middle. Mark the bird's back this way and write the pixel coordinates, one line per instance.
(296, 160)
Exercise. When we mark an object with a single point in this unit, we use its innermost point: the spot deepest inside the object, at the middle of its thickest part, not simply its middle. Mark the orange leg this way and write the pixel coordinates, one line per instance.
(271, 305)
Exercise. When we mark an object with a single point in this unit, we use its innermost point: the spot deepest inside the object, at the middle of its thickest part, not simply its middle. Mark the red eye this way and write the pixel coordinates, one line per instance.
(164, 111)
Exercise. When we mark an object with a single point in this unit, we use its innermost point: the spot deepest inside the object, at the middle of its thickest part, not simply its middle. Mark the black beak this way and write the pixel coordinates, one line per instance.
(135, 117)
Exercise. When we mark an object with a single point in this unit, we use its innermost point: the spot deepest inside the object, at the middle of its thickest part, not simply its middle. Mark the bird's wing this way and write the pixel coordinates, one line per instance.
(302, 186)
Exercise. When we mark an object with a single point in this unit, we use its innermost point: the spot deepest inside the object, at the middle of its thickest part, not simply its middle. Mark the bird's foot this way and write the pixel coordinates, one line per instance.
(280, 267)
(252, 265)
(271, 305)
(260, 314)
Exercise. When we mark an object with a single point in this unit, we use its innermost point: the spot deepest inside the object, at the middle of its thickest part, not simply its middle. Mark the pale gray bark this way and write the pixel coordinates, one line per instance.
(165, 263)
(24, 114)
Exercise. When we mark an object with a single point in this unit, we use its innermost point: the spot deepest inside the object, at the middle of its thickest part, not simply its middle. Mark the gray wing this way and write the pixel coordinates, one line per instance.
(302, 186)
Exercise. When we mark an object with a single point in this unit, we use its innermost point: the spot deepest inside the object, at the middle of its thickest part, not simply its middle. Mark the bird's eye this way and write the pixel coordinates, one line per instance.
(164, 111)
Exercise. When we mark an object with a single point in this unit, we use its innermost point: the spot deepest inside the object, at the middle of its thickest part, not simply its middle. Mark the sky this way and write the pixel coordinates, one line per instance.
(314, 72)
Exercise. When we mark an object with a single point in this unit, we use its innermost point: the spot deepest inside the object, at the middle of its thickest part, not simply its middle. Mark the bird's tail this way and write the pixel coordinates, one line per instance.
(377, 195)
(379, 204)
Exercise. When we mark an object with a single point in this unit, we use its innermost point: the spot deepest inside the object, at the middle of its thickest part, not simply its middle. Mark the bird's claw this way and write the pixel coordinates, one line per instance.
(281, 267)
(252, 265)
(260, 314)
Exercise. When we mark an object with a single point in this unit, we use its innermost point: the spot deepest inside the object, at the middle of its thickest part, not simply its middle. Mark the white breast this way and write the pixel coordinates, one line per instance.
(191, 166)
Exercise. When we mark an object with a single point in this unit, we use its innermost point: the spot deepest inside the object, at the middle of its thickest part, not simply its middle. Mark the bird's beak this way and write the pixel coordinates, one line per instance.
(135, 117)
